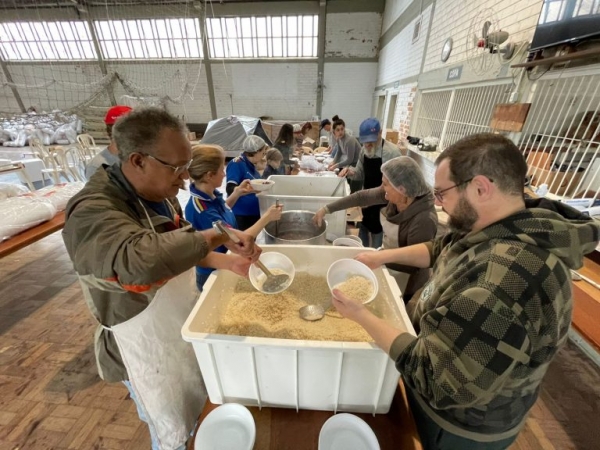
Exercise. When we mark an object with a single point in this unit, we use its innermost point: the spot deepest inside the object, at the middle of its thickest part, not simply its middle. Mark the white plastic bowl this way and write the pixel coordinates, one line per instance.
(272, 260)
(228, 427)
(348, 241)
(343, 269)
(320, 158)
(261, 185)
(347, 431)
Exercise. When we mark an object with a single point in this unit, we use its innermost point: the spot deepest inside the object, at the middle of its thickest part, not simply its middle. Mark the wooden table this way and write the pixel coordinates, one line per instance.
(32, 235)
(286, 429)
(17, 167)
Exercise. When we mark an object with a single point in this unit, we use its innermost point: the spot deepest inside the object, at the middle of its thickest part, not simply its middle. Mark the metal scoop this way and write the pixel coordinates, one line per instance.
(314, 312)
(273, 283)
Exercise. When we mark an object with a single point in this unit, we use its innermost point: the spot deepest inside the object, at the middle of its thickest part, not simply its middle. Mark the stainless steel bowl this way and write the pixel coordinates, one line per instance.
(296, 228)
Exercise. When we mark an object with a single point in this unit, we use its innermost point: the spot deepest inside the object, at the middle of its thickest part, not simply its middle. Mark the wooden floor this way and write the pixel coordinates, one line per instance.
(51, 396)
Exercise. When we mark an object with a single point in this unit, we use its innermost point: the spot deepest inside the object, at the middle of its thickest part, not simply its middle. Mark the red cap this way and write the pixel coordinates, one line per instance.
(114, 113)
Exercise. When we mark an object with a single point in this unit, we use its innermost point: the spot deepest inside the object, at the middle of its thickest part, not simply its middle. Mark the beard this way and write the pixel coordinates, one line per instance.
(463, 217)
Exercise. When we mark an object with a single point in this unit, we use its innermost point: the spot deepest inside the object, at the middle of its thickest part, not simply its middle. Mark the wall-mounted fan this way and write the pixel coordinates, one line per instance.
(486, 43)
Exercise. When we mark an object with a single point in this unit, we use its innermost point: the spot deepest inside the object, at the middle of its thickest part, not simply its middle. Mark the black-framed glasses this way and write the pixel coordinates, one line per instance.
(438, 192)
(177, 170)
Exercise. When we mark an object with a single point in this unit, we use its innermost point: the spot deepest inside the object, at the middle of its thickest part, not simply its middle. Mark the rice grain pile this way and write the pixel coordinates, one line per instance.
(252, 313)
(357, 288)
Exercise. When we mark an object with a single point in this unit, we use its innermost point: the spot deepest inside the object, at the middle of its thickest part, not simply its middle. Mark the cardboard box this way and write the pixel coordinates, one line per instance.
(559, 183)
(392, 136)
(540, 159)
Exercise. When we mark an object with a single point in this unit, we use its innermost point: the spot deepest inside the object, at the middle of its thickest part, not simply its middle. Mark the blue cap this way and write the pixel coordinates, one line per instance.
(369, 130)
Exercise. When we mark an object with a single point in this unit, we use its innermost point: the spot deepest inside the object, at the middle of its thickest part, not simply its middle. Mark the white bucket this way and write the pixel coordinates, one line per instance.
(348, 241)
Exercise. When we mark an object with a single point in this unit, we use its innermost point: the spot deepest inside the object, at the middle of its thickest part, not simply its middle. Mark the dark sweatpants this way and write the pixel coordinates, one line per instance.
(435, 438)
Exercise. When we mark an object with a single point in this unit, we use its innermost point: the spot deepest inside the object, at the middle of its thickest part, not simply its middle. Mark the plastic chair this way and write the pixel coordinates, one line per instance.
(88, 145)
(68, 161)
(52, 166)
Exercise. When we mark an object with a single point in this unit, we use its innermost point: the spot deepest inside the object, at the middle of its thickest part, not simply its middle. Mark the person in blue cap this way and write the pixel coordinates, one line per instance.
(374, 153)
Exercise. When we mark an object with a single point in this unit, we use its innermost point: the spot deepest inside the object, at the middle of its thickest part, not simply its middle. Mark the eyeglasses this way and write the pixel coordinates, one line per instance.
(438, 193)
(177, 170)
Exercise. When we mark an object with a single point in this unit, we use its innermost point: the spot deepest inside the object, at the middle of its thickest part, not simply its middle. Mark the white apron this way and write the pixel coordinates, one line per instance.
(390, 240)
(162, 367)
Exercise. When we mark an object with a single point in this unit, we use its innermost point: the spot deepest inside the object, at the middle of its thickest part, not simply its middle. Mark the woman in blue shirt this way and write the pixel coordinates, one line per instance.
(242, 168)
(206, 204)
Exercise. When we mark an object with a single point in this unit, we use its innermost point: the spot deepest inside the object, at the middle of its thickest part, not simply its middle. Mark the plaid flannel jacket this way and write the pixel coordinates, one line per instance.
(491, 318)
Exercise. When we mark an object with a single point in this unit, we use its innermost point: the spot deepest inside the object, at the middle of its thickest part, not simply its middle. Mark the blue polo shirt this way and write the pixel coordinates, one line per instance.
(237, 171)
(201, 211)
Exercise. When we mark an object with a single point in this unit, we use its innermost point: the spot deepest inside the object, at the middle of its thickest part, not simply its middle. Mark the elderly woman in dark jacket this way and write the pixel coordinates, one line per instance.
(407, 215)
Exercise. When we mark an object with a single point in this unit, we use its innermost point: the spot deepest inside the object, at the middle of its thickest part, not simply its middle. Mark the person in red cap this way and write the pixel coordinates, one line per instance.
(108, 156)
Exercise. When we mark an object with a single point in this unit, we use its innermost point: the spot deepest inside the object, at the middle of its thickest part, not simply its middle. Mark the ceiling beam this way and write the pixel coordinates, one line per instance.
(199, 7)
(321, 54)
(83, 11)
(11, 84)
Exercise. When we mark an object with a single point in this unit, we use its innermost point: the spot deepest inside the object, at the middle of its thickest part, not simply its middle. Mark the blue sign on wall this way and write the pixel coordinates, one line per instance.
(454, 73)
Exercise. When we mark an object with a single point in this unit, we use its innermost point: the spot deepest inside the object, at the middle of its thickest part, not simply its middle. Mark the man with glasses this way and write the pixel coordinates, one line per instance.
(135, 257)
(498, 305)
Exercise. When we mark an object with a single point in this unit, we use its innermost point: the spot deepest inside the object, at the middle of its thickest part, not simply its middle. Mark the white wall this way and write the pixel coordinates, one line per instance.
(393, 10)
(401, 58)
(454, 19)
(348, 92)
(352, 35)
(280, 90)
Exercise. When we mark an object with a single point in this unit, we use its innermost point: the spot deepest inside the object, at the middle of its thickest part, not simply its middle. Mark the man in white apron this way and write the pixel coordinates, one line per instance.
(135, 257)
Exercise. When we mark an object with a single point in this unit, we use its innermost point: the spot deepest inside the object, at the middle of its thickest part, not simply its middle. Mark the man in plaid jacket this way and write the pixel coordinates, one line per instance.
(498, 305)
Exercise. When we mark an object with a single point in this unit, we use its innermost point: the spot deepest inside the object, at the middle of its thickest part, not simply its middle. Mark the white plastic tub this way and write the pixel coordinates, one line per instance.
(307, 194)
(319, 375)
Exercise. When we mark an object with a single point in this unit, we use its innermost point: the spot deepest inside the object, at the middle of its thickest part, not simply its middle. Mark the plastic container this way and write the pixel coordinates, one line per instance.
(271, 260)
(348, 241)
(228, 427)
(261, 185)
(307, 193)
(343, 269)
(301, 374)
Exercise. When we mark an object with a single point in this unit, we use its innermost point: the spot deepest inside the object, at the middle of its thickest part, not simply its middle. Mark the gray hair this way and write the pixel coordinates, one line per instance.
(403, 172)
(138, 131)
(253, 144)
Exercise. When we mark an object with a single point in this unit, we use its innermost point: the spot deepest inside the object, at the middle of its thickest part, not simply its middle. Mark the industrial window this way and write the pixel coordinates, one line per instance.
(149, 39)
(263, 37)
(552, 11)
(34, 41)
(585, 7)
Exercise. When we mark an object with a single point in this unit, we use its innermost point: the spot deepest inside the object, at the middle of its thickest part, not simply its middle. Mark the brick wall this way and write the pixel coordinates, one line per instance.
(280, 90)
(352, 35)
(453, 19)
(401, 58)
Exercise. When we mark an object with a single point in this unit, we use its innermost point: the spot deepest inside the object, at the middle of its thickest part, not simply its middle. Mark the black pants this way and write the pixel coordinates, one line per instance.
(433, 437)
(245, 222)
